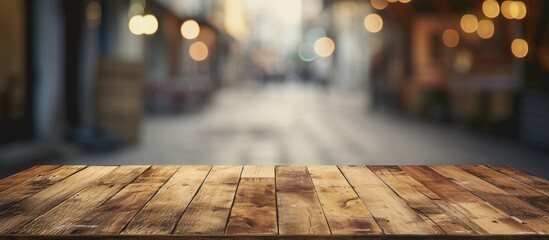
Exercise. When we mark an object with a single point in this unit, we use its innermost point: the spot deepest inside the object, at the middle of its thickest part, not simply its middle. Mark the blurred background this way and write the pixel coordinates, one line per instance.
(107, 82)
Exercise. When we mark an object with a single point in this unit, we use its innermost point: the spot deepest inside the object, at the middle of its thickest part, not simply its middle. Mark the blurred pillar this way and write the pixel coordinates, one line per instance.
(73, 12)
(49, 64)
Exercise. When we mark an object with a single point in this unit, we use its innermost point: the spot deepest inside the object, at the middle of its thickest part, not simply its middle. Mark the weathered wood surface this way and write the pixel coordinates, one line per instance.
(267, 202)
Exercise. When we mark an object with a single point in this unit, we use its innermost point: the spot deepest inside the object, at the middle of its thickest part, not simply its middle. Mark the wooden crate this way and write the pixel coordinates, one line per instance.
(119, 98)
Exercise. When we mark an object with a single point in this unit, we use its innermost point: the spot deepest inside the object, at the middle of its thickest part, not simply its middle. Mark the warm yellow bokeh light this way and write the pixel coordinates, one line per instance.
(404, 1)
(324, 47)
(373, 23)
(519, 47)
(490, 8)
(190, 29)
(450, 38)
(392, 1)
(485, 29)
(150, 24)
(469, 23)
(379, 4)
(136, 25)
(506, 9)
(521, 10)
(513, 9)
(198, 51)
(140, 25)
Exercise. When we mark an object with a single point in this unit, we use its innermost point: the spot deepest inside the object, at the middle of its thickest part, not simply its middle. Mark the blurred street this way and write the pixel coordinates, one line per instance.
(300, 124)
(250, 82)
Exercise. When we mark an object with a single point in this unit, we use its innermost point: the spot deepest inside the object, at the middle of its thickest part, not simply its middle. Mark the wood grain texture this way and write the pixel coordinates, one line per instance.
(392, 214)
(299, 210)
(113, 215)
(258, 172)
(82, 203)
(209, 210)
(274, 202)
(413, 193)
(345, 212)
(162, 212)
(512, 186)
(254, 208)
(491, 219)
(17, 215)
(519, 210)
(36, 184)
(21, 177)
(524, 177)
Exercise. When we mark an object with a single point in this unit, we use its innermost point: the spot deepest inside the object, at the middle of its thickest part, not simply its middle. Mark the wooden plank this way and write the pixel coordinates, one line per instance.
(293, 178)
(514, 187)
(23, 176)
(447, 218)
(113, 215)
(36, 184)
(524, 177)
(299, 210)
(21, 213)
(258, 172)
(209, 210)
(392, 214)
(61, 217)
(491, 219)
(254, 209)
(519, 210)
(161, 213)
(345, 212)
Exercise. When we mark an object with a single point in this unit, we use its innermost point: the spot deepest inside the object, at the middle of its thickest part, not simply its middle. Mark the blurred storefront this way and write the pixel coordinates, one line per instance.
(85, 72)
(480, 64)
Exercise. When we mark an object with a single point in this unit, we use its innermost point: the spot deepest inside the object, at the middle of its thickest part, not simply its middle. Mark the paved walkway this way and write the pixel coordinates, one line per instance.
(295, 124)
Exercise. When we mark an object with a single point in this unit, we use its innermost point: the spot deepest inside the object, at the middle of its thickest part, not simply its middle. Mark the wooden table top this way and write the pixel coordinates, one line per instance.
(201, 202)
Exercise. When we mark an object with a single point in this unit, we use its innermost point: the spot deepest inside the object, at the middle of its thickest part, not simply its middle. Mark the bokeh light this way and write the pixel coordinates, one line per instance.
(306, 52)
(324, 47)
(513, 9)
(198, 51)
(373, 23)
(450, 38)
(519, 47)
(469, 23)
(136, 25)
(485, 29)
(521, 13)
(404, 1)
(190, 29)
(506, 9)
(490, 8)
(150, 24)
(140, 25)
(379, 4)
